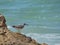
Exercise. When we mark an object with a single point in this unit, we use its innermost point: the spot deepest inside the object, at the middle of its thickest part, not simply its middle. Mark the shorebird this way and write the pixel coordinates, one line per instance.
(19, 26)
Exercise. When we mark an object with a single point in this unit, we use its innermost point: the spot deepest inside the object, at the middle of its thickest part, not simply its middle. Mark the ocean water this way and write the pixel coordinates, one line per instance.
(42, 17)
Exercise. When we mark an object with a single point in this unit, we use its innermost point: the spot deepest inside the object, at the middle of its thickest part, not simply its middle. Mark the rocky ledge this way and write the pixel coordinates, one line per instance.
(8, 37)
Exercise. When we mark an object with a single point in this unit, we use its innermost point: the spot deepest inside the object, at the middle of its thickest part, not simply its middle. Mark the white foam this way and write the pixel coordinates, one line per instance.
(33, 35)
(9, 27)
(46, 36)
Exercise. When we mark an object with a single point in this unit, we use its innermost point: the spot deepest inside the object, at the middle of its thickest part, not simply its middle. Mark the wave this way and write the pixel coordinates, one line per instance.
(9, 27)
(33, 35)
(42, 27)
(51, 39)
(37, 35)
(41, 35)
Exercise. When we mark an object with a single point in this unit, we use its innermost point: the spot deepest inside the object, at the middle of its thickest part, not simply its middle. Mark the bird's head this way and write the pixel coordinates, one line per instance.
(25, 24)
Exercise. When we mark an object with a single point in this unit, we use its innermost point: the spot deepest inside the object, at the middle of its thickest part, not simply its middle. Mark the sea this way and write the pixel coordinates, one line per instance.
(42, 17)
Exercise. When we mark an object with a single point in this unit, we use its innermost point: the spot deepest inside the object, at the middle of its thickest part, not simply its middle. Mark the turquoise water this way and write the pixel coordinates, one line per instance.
(43, 17)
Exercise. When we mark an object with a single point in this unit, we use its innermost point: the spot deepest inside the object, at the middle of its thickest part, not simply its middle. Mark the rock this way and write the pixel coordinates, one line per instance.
(2, 25)
(8, 37)
(2, 21)
(44, 44)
